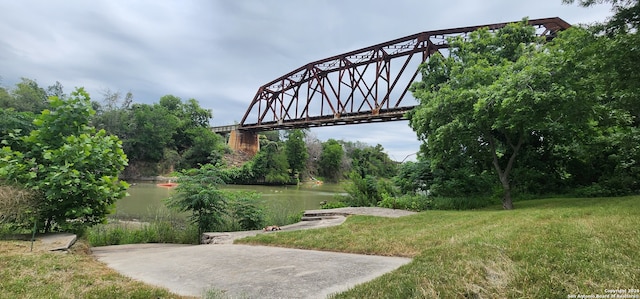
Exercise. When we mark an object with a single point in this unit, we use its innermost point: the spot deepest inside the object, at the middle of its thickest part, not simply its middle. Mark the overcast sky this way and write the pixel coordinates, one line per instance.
(219, 52)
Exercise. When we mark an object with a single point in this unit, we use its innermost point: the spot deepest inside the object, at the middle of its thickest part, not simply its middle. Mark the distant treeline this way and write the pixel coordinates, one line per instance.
(173, 135)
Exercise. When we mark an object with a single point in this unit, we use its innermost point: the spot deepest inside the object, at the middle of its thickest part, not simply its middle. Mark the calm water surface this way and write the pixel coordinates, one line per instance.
(146, 199)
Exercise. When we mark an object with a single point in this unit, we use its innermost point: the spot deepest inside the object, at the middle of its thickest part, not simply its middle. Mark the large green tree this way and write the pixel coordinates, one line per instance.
(331, 160)
(604, 67)
(495, 96)
(26, 96)
(71, 166)
(151, 130)
(296, 151)
(270, 165)
(372, 160)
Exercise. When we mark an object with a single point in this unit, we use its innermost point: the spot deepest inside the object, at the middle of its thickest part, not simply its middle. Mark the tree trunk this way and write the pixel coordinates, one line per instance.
(507, 202)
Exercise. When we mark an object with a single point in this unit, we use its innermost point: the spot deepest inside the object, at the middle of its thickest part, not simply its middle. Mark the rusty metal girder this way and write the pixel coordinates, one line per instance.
(361, 86)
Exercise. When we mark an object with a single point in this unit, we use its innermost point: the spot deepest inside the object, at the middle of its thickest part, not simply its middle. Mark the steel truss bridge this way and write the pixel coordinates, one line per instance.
(362, 86)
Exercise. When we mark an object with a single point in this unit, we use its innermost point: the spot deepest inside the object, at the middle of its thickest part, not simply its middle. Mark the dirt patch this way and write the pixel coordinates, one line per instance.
(236, 158)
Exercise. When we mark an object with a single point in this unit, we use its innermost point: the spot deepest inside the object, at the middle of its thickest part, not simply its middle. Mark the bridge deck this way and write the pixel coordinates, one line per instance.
(394, 114)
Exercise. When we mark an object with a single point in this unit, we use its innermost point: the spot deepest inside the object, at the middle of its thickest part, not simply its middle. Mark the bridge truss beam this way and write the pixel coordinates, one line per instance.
(366, 85)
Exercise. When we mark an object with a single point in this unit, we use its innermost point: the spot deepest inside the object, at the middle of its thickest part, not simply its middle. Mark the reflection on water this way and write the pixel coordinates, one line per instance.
(146, 199)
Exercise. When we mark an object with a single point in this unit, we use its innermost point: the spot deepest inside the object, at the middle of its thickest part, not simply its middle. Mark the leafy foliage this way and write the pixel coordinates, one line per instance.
(245, 211)
(372, 161)
(296, 150)
(150, 131)
(14, 124)
(330, 160)
(497, 96)
(270, 165)
(366, 191)
(198, 192)
(72, 168)
(16, 207)
(413, 177)
(27, 96)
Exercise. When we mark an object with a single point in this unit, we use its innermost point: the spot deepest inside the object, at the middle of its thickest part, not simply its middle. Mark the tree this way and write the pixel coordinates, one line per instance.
(192, 138)
(372, 161)
(114, 114)
(296, 151)
(270, 165)
(6, 99)
(605, 73)
(198, 192)
(494, 96)
(14, 124)
(314, 150)
(151, 130)
(330, 160)
(414, 177)
(206, 148)
(56, 90)
(26, 96)
(71, 166)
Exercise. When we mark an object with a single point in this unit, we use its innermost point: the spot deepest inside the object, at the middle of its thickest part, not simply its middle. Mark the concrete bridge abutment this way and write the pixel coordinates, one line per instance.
(244, 141)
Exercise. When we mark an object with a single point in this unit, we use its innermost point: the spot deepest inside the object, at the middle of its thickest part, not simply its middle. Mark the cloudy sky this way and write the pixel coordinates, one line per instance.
(220, 51)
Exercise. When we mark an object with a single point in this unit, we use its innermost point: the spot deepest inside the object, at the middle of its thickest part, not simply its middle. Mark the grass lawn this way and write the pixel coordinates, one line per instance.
(550, 248)
(25, 274)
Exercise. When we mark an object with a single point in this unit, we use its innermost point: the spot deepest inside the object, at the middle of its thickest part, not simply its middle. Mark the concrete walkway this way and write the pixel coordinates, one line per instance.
(242, 271)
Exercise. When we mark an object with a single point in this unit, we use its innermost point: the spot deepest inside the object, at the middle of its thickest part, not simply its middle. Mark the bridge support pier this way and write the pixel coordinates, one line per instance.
(245, 141)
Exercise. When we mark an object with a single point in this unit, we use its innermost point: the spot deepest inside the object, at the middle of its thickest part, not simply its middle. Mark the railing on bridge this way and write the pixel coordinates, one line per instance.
(224, 129)
(358, 86)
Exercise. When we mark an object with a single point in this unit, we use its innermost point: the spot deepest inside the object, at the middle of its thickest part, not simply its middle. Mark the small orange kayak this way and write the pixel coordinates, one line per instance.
(167, 185)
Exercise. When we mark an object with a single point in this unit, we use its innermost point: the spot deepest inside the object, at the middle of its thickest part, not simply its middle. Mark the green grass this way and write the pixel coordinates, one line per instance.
(549, 248)
(122, 232)
(25, 274)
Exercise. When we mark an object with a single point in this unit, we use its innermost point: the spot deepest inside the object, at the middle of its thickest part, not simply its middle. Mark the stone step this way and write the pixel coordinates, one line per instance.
(310, 218)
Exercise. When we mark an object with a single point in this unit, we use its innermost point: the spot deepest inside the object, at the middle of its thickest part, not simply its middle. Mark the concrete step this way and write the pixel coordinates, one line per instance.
(323, 214)
(310, 218)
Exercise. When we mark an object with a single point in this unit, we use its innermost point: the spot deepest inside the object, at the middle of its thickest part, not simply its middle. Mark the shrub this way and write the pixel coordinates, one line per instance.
(366, 191)
(245, 211)
(18, 206)
(407, 202)
(211, 208)
(74, 166)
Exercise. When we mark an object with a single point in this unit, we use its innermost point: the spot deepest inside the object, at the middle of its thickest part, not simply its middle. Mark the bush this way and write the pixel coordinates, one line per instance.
(366, 191)
(73, 165)
(211, 208)
(243, 208)
(596, 190)
(18, 207)
(407, 202)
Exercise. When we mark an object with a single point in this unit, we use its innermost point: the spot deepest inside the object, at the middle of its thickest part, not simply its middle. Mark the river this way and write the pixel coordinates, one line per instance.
(145, 200)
